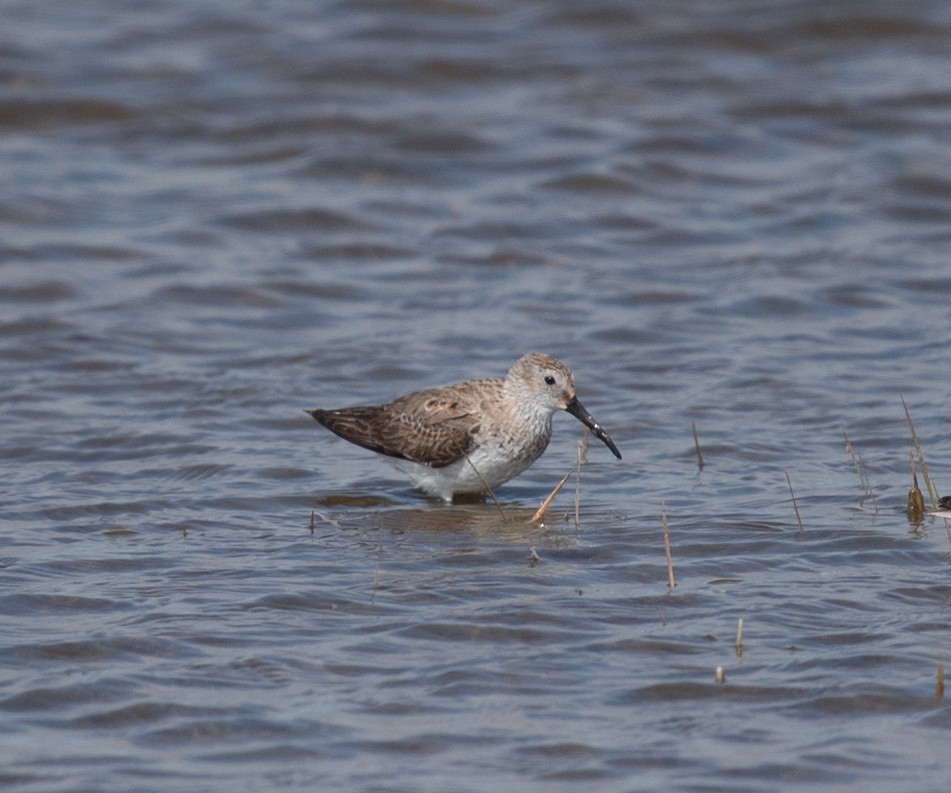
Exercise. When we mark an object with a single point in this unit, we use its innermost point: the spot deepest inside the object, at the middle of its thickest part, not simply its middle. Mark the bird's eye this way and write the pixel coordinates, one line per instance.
(549, 379)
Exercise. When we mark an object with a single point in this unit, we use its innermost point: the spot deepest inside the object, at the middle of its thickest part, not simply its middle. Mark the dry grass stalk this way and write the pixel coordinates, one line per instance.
(719, 676)
(915, 505)
(486, 486)
(859, 465)
(795, 505)
(540, 513)
(533, 557)
(939, 683)
(696, 445)
(671, 583)
(739, 638)
(580, 453)
(932, 493)
(312, 516)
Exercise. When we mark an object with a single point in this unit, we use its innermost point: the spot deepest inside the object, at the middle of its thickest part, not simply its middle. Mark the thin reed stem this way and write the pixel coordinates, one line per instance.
(795, 505)
(486, 486)
(671, 583)
(915, 505)
(580, 452)
(696, 445)
(540, 513)
(932, 493)
(859, 466)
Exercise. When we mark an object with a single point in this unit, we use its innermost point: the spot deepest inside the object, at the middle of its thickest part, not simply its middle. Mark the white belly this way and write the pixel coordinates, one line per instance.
(495, 464)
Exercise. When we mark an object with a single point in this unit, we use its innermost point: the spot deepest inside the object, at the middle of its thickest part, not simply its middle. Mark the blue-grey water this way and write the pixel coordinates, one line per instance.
(729, 214)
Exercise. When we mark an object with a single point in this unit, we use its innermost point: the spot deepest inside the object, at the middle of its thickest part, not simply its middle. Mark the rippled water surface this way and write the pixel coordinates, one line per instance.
(215, 214)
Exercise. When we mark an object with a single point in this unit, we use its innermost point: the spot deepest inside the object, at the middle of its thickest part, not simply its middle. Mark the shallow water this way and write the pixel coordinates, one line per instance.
(214, 215)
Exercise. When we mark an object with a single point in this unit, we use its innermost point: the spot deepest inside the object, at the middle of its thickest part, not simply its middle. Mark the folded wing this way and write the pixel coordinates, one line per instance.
(431, 427)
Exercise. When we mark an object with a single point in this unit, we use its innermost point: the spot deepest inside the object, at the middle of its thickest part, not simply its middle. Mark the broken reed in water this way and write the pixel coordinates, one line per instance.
(540, 512)
(859, 465)
(939, 683)
(915, 506)
(671, 583)
(795, 505)
(580, 453)
(932, 493)
(485, 485)
(582, 450)
(696, 445)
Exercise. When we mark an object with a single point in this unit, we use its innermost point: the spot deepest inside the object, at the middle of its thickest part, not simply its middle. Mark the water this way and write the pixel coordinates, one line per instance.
(214, 215)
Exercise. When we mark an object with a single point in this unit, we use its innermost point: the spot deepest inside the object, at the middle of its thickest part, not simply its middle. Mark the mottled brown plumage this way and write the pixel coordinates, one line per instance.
(435, 427)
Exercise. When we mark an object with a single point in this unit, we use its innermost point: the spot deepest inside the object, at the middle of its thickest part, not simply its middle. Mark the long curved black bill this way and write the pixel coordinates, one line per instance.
(576, 409)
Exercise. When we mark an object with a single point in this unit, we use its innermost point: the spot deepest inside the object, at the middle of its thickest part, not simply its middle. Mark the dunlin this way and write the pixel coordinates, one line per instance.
(452, 439)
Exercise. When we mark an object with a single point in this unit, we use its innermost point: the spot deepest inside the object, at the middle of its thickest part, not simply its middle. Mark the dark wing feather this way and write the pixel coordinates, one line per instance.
(435, 427)
(357, 425)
